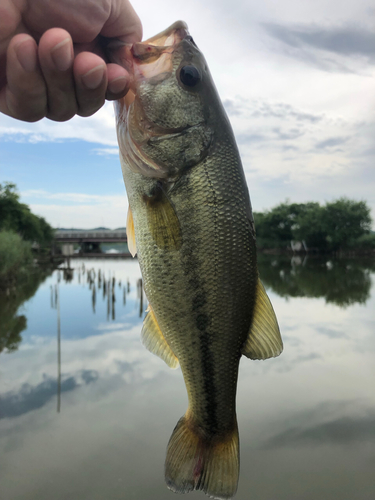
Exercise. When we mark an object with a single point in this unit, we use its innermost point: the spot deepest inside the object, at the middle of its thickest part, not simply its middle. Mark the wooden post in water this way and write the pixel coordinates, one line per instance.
(140, 295)
(108, 300)
(58, 351)
(113, 300)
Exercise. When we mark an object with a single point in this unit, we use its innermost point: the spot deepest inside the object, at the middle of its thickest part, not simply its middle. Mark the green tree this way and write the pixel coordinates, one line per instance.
(16, 216)
(345, 221)
(310, 227)
(338, 225)
(277, 227)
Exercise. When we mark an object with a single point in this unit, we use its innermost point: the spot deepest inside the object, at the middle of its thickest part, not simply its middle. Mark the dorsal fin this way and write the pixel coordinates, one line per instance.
(154, 340)
(264, 339)
(130, 233)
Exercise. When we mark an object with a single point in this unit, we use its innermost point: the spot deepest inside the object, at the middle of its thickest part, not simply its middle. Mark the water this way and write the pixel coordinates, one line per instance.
(96, 425)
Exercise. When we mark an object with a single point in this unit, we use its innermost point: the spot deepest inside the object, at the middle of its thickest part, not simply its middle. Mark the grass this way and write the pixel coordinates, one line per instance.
(15, 254)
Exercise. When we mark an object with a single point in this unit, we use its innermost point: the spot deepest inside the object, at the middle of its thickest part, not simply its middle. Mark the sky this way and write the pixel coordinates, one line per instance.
(297, 79)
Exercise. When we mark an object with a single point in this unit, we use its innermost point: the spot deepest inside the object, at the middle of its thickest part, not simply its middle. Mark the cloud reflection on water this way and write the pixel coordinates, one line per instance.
(28, 398)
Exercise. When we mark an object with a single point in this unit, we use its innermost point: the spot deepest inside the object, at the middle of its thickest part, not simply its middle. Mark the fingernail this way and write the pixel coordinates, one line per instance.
(62, 55)
(117, 85)
(26, 54)
(93, 78)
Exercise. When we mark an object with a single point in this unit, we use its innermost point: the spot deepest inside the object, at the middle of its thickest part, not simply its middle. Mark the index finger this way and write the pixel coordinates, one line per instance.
(24, 97)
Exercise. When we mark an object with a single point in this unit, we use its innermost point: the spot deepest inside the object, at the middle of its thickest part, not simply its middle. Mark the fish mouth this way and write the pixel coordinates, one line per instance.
(152, 59)
(177, 32)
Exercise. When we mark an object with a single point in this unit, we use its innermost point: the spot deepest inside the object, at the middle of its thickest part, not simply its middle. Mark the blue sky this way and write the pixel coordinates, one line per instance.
(67, 175)
(297, 80)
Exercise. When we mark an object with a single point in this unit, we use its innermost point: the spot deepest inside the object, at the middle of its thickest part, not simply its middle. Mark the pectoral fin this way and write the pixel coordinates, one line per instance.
(264, 339)
(162, 221)
(154, 341)
(130, 233)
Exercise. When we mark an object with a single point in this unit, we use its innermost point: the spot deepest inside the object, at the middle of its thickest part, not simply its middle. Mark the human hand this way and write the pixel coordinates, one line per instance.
(51, 60)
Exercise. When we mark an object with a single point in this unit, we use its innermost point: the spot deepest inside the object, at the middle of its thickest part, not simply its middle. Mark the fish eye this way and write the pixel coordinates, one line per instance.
(190, 76)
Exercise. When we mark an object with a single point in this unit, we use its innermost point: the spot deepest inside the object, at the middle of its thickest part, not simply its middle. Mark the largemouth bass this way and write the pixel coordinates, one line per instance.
(191, 225)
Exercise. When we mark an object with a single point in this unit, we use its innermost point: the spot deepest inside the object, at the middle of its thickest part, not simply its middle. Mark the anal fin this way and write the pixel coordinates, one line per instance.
(154, 340)
(130, 233)
(264, 339)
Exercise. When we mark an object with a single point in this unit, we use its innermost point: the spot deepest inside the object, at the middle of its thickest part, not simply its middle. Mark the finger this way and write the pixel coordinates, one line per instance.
(56, 61)
(90, 74)
(25, 95)
(118, 82)
(123, 22)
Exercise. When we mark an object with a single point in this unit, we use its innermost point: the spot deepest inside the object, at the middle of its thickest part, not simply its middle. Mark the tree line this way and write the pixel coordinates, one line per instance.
(342, 224)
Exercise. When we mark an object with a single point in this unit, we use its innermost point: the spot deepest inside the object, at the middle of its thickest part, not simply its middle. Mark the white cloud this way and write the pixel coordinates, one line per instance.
(78, 209)
(73, 197)
(99, 128)
(106, 151)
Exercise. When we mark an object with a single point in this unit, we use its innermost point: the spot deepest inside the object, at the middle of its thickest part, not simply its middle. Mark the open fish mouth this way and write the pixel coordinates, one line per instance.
(152, 58)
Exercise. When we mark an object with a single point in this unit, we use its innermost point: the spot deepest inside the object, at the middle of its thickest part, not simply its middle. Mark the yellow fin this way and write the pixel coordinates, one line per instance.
(154, 341)
(130, 233)
(162, 221)
(197, 462)
(264, 339)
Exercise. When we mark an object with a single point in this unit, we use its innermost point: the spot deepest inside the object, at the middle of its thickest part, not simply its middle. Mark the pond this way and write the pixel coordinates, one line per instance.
(86, 411)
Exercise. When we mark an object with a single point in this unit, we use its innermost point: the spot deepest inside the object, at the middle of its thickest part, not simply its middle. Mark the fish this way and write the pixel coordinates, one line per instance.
(190, 223)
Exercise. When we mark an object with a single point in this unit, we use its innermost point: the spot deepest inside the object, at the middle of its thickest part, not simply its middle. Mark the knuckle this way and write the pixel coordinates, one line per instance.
(90, 107)
(61, 115)
(27, 113)
(62, 105)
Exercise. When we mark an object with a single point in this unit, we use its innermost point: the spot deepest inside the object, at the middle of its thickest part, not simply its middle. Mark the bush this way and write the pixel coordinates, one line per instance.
(14, 252)
(364, 242)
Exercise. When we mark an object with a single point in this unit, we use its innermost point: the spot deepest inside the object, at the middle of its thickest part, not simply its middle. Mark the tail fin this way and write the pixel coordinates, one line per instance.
(195, 462)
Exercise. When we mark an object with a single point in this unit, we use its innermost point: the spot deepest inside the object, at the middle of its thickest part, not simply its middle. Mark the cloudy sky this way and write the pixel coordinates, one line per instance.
(297, 79)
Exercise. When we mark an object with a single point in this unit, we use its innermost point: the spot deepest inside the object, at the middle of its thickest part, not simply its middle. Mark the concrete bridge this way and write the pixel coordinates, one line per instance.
(106, 236)
(88, 241)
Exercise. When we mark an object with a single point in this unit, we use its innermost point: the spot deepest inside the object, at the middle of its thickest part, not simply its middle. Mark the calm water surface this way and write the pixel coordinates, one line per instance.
(89, 416)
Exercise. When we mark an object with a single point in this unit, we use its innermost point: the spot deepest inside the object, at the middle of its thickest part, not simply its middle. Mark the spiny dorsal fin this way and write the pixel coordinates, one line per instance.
(162, 220)
(154, 340)
(264, 339)
(130, 233)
